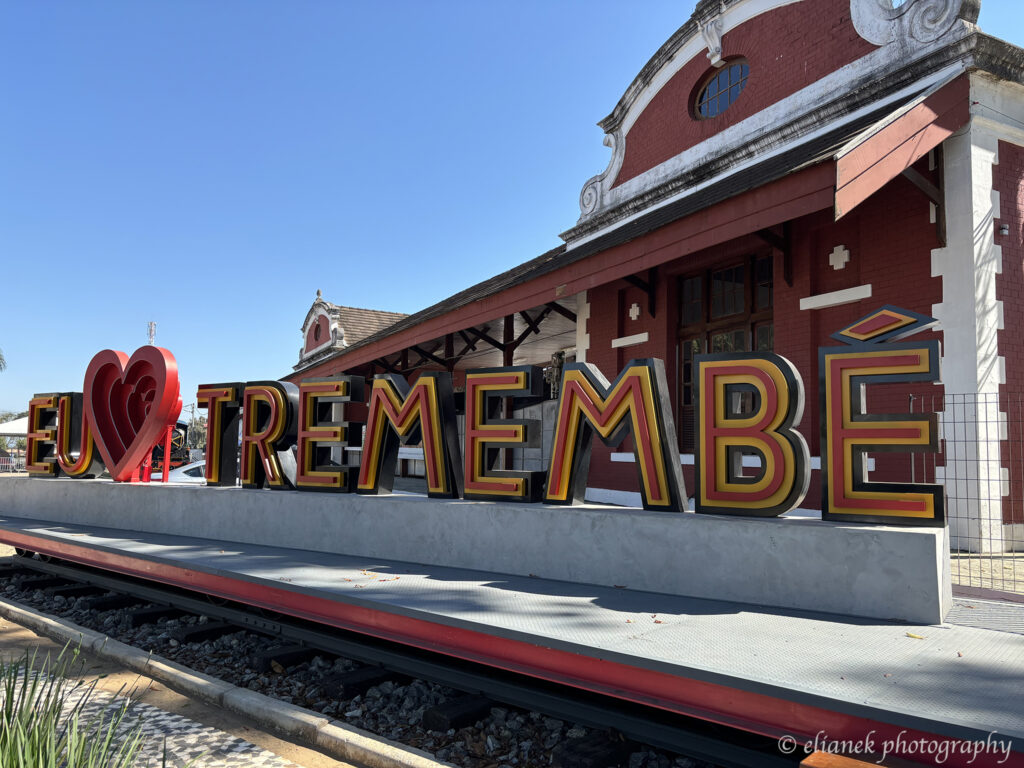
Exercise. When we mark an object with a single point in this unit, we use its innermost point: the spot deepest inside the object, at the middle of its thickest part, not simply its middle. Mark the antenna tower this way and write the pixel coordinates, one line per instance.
(152, 333)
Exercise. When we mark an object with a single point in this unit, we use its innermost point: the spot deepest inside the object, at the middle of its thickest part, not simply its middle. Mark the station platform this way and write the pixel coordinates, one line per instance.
(769, 671)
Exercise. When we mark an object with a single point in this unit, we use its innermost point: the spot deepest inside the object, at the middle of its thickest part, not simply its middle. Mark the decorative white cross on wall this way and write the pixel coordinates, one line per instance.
(634, 311)
(839, 257)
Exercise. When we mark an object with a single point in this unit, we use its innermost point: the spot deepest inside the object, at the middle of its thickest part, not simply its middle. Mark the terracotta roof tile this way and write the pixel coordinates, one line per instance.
(361, 323)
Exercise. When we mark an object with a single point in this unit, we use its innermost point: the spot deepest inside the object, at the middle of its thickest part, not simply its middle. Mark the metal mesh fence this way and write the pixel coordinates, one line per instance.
(981, 463)
(11, 464)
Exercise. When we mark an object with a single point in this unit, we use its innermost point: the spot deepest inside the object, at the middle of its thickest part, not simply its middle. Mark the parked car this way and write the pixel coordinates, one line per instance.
(190, 473)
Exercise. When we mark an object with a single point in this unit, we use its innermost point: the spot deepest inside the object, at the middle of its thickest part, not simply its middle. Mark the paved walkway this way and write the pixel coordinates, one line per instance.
(172, 740)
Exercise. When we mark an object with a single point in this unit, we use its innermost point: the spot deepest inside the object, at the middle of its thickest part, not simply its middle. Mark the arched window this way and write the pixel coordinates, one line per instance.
(721, 89)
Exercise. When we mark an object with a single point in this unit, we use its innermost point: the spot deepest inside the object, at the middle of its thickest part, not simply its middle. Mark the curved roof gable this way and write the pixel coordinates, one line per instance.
(810, 61)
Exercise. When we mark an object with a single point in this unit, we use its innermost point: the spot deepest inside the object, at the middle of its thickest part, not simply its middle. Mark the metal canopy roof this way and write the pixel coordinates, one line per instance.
(16, 428)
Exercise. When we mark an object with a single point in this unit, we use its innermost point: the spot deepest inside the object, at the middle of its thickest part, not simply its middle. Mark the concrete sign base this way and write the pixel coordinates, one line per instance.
(856, 570)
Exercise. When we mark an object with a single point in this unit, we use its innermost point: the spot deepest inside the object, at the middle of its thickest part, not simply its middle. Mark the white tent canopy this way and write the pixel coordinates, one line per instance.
(16, 428)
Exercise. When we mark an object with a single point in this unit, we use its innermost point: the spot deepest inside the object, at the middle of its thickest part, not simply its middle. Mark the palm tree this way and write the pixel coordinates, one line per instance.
(3, 363)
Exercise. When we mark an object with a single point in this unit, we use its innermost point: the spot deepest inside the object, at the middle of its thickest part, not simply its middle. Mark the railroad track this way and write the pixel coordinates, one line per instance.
(613, 729)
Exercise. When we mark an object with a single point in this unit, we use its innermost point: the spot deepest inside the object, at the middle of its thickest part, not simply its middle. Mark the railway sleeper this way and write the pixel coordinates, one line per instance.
(284, 656)
(75, 590)
(208, 631)
(152, 614)
(45, 582)
(596, 750)
(456, 713)
(12, 571)
(111, 602)
(347, 685)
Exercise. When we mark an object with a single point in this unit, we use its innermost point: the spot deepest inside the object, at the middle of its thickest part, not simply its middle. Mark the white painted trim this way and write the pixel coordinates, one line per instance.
(998, 106)
(404, 452)
(582, 334)
(332, 326)
(619, 498)
(970, 316)
(1013, 537)
(687, 460)
(629, 341)
(628, 457)
(836, 298)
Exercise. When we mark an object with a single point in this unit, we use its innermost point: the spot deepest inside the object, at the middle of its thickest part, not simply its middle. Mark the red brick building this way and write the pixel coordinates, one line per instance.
(779, 169)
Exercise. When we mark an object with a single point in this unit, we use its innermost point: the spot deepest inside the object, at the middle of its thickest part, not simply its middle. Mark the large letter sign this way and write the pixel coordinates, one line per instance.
(323, 433)
(398, 413)
(749, 458)
(59, 439)
(41, 439)
(747, 406)
(485, 433)
(223, 406)
(268, 434)
(636, 404)
(76, 453)
(848, 432)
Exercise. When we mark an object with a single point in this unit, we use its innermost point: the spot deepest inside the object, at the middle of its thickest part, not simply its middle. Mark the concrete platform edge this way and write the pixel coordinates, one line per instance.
(338, 739)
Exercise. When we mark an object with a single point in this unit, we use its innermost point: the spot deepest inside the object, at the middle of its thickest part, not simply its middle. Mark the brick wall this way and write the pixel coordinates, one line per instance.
(787, 49)
(1008, 181)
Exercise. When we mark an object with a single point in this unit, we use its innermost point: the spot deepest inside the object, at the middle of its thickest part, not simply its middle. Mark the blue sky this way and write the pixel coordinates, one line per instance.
(210, 165)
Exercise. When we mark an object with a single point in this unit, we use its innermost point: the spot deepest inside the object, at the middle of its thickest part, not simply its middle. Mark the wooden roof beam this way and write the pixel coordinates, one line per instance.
(557, 308)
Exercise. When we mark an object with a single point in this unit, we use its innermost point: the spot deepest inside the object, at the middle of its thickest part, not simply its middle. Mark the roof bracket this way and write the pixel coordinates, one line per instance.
(933, 192)
(383, 363)
(557, 308)
(532, 326)
(918, 179)
(424, 356)
(780, 243)
(776, 241)
(482, 336)
(648, 286)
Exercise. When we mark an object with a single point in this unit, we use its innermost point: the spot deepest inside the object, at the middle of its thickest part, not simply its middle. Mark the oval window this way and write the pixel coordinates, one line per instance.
(722, 89)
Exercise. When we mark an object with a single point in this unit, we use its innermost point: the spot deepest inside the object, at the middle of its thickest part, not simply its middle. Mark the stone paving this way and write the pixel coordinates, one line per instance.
(173, 740)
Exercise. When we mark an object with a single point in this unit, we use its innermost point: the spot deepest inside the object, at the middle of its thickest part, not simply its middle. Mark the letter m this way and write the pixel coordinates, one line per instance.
(400, 414)
(636, 404)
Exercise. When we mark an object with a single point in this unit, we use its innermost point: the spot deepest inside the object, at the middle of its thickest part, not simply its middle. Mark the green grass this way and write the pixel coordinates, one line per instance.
(44, 724)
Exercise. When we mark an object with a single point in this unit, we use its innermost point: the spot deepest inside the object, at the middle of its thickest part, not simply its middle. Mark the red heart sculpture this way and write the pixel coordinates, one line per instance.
(129, 404)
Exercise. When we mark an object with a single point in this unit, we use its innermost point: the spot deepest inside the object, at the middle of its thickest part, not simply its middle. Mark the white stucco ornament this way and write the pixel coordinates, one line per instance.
(712, 33)
(839, 257)
(592, 193)
(884, 21)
